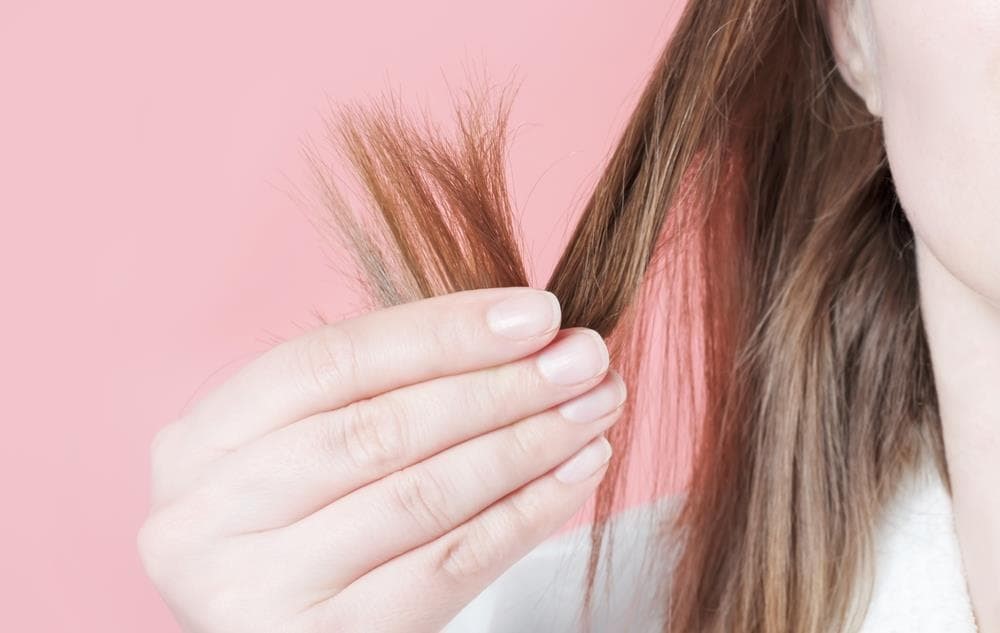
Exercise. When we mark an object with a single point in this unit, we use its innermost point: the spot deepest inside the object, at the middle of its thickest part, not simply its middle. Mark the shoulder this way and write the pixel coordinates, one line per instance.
(919, 582)
(918, 585)
(543, 591)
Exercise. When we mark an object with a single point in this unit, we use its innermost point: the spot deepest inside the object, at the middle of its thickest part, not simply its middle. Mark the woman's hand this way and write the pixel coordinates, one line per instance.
(378, 473)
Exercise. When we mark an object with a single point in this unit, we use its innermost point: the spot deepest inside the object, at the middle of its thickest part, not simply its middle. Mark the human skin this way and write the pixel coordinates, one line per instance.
(378, 473)
(260, 521)
(930, 69)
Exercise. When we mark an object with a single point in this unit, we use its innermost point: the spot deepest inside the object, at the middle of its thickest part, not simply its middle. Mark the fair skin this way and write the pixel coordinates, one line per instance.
(930, 69)
(405, 457)
(307, 492)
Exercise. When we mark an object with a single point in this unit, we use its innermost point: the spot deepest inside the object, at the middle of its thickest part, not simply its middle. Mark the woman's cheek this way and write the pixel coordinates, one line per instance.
(940, 84)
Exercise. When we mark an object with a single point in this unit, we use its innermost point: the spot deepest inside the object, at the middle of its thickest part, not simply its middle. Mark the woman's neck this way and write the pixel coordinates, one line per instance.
(963, 330)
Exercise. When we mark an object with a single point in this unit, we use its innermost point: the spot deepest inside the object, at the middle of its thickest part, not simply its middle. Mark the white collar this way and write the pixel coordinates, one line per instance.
(919, 582)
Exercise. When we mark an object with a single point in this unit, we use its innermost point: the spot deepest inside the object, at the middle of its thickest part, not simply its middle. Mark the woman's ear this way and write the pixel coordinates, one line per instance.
(852, 37)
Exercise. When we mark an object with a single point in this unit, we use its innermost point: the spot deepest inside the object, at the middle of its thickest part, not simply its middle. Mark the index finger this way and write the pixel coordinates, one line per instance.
(376, 352)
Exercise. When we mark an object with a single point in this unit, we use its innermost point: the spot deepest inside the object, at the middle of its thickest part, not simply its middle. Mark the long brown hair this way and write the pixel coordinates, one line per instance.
(748, 206)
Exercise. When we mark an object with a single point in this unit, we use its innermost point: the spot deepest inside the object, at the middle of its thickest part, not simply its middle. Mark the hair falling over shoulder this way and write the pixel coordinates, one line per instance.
(750, 193)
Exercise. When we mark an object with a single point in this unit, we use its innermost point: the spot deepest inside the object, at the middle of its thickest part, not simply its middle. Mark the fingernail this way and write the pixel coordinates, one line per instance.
(580, 355)
(586, 462)
(596, 403)
(527, 314)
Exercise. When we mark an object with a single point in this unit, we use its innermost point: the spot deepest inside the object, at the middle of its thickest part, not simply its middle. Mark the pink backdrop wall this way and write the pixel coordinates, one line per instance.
(148, 244)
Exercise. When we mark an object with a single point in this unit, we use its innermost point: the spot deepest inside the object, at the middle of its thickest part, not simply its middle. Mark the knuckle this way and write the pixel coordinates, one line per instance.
(164, 449)
(152, 546)
(527, 437)
(328, 359)
(373, 433)
(498, 390)
(526, 508)
(146, 541)
(160, 440)
(422, 499)
(483, 545)
(452, 330)
(469, 555)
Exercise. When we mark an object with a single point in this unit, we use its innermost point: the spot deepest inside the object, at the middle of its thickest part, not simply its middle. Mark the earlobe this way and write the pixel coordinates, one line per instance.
(865, 85)
(852, 40)
(874, 104)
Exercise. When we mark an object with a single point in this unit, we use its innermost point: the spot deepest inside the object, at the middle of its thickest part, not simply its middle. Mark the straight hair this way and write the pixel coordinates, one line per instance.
(748, 219)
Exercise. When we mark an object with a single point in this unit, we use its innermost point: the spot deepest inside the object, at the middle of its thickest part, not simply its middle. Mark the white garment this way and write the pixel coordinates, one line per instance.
(919, 584)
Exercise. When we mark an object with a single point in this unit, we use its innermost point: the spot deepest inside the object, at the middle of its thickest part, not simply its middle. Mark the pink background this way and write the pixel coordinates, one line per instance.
(149, 245)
